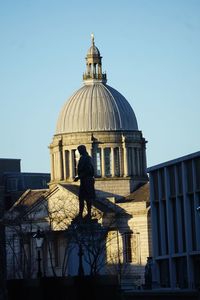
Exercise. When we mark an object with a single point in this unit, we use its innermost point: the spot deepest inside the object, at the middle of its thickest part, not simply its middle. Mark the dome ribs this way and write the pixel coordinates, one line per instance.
(96, 107)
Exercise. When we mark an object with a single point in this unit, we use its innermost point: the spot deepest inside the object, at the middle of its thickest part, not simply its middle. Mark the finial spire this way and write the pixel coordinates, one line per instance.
(92, 37)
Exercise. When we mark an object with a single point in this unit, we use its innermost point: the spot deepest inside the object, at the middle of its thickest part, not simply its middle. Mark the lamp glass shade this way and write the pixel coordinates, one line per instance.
(39, 238)
(39, 241)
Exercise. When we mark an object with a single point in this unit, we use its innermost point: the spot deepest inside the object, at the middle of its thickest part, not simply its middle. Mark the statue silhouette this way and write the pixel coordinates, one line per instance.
(86, 177)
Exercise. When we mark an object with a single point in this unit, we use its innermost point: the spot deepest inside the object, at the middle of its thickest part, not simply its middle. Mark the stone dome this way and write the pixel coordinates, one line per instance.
(93, 50)
(100, 118)
(96, 107)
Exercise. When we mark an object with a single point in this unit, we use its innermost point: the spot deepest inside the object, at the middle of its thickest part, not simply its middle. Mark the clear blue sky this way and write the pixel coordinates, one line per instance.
(151, 53)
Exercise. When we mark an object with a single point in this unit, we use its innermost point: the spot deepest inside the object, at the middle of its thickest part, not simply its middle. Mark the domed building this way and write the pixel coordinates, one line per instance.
(100, 118)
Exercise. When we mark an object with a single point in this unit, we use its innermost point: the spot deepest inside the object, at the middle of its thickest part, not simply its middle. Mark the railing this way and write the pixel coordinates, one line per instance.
(94, 76)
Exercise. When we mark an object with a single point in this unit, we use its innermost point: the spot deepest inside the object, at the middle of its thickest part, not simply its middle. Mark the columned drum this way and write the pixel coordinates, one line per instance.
(99, 117)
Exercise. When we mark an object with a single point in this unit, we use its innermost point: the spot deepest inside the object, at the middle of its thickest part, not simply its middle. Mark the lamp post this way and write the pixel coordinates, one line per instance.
(80, 268)
(119, 260)
(39, 238)
(77, 228)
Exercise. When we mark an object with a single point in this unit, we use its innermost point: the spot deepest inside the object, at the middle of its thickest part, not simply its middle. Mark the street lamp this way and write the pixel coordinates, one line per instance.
(39, 238)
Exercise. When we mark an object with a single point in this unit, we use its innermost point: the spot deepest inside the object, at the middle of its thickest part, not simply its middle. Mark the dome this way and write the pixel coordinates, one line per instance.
(96, 107)
(93, 50)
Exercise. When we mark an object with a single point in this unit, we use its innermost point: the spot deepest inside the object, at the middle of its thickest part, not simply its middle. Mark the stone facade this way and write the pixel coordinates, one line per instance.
(125, 245)
(124, 152)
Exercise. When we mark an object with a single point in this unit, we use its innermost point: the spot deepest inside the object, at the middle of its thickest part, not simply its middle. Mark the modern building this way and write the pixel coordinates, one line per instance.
(14, 183)
(175, 197)
(99, 117)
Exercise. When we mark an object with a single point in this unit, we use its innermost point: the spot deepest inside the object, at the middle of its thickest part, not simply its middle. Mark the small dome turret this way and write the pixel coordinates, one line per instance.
(93, 65)
(93, 50)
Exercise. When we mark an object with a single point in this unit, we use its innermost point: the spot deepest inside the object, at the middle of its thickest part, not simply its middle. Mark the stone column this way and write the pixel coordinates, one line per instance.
(88, 69)
(71, 164)
(120, 161)
(52, 167)
(60, 161)
(139, 161)
(112, 162)
(55, 160)
(125, 161)
(64, 164)
(144, 160)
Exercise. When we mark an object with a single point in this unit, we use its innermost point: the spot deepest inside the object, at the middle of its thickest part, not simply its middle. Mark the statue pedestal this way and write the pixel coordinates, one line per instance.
(84, 221)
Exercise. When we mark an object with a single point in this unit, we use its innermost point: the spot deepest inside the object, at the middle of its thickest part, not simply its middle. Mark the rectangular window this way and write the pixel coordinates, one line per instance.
(180, 179)
(107, 158)
(192, 219)
(12, 184)
(67, 163)
(189, 175)
(97, 161)
(158, 245)
(175, 225)
(116, 162)
(171, 173)
(180, 199)
(155, 185)
(128, 247)
(165, 226)
(197, 172)
(130, 161)
(136, 172)
(162, 179)
(141, 161)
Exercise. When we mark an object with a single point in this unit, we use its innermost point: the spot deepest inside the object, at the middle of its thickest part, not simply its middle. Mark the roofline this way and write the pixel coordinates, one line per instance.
(10, 159)
(100, 131)
(174, 161)
(24, 173)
